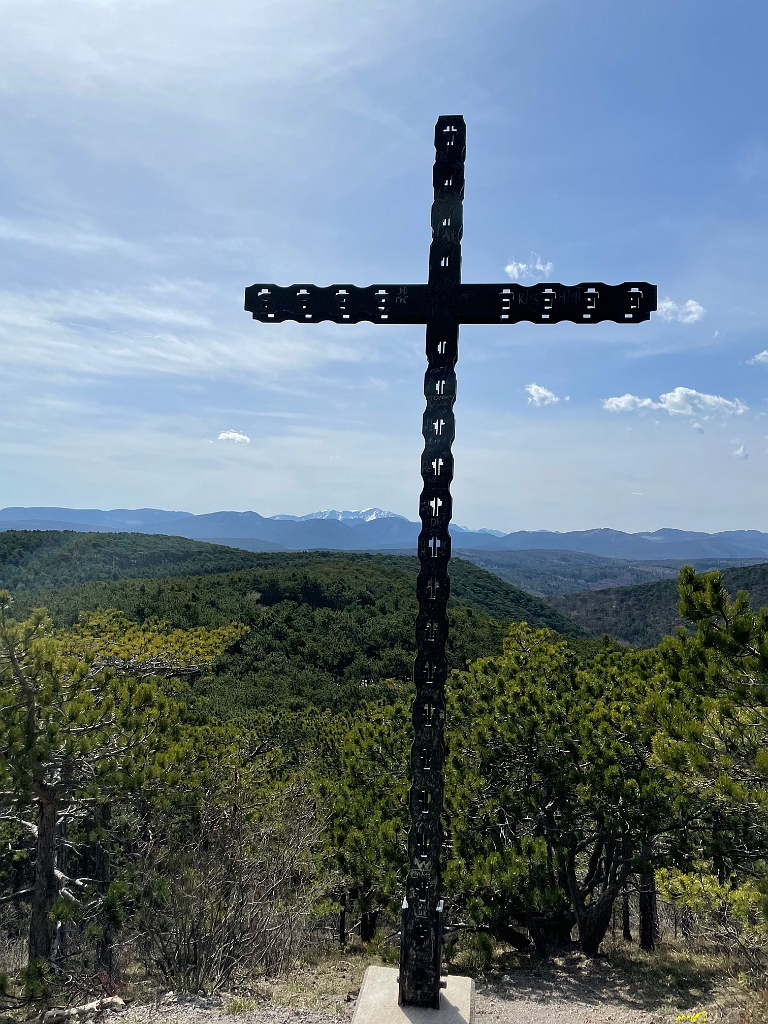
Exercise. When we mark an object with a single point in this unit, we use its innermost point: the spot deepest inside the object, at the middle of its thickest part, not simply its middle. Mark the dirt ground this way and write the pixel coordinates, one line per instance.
(668, 987)
(573, 989)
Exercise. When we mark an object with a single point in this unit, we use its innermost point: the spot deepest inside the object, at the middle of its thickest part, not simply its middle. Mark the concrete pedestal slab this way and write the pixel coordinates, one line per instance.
(377, 1002)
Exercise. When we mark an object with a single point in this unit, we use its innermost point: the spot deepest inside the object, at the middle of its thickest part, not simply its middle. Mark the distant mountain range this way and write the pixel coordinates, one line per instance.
(375, 529)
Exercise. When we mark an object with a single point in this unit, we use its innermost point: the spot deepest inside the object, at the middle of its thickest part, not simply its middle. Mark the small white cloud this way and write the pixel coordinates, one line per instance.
(679, 402)
(626, 403)
(540, 396)
(760, 359)
(698, 428)
(715, 334)
(234, 435)
(688, 313)
(741, 453)
(535, 269)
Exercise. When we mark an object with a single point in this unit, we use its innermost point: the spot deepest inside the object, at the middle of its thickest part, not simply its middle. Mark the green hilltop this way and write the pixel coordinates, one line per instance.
(323, 628)
(35, 559)
(642, 615)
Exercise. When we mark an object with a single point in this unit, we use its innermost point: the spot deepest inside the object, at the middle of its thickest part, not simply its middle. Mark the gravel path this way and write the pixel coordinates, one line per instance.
(555, 997)
(522, 1010)
(575, 990)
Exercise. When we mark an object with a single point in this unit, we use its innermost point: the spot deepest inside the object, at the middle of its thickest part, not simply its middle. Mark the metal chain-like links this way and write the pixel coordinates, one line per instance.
(422, 920)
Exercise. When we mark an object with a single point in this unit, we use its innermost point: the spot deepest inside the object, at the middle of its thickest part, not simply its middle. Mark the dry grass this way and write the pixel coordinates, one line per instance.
(331, 983)
(674, 975)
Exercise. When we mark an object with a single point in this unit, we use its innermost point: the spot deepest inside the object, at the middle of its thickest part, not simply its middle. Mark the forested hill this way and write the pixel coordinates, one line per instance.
(34, 559)
(38, 560)
(323, 628)
(642, 615)
(319, 579)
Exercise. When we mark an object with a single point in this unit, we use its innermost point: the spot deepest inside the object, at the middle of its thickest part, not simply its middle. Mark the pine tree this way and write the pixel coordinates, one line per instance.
(69, 733)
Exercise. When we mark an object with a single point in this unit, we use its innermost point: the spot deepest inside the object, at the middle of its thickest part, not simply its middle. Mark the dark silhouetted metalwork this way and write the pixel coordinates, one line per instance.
(442, 304)
(585, 303)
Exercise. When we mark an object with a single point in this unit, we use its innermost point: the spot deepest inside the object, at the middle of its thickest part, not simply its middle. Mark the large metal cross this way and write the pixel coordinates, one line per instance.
(442, 304)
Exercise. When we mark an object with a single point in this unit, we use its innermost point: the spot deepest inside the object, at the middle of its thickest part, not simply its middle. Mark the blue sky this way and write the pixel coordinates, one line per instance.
(159, 156)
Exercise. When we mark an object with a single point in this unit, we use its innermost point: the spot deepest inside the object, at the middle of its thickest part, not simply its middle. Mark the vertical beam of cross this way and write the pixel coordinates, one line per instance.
(422, 919)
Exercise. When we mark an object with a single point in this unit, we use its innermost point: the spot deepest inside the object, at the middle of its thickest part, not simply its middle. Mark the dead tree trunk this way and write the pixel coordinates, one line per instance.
(626, 928)
(343, 921)
(102, 873)
(59, 927)
(44, 891)
(649, 922)
(368, 925)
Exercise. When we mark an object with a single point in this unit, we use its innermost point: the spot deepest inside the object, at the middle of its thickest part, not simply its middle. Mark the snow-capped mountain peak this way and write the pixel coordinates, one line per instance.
(468, 529)
(365, 515)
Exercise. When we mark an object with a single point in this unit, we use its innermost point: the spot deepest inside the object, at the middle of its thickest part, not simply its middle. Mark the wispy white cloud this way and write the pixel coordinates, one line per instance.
(679, 402)
(160, 327)
(741, 453)
(697, 427)
(760, 359)
(538, 395)
(534, 270)
(234, 435)
(70, 238)
(107, 46)
(688, 313)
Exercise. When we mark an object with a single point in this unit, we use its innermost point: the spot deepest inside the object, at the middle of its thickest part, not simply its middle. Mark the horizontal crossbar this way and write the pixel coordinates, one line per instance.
(585, 303)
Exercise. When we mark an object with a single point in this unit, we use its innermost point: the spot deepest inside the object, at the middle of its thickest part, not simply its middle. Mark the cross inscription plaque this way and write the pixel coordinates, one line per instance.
(442, 304)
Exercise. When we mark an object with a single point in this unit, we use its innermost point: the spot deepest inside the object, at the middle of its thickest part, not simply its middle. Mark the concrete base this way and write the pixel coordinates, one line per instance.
(377, 1002)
